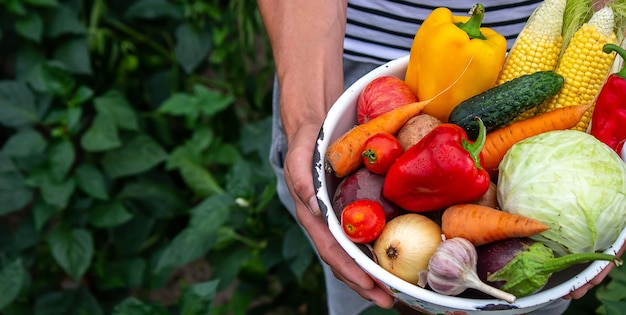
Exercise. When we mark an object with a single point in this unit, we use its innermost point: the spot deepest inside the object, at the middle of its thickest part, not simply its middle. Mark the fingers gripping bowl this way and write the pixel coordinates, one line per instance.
(341, 118)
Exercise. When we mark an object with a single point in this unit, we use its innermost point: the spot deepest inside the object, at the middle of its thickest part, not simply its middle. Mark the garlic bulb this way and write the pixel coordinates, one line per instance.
(452, 270)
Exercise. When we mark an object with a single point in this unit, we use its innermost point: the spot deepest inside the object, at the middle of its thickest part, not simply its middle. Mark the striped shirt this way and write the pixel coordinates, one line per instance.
(382, 30)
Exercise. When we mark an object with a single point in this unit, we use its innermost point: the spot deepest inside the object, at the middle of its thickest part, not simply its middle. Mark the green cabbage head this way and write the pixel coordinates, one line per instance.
(571, 182)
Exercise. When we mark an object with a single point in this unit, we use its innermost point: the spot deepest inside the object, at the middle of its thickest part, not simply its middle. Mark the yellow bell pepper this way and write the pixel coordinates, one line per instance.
(445, 46)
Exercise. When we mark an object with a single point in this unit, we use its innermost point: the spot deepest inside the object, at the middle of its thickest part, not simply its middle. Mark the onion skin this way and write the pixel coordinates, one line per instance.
(406, 245)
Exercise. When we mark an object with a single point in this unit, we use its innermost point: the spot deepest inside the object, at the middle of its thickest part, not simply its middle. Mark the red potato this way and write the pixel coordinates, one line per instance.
(416, 128)
(382, 95)
(363, 184)
(490, 198)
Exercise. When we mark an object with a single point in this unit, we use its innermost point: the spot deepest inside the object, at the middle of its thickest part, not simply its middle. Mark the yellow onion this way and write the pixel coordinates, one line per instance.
(406, 245)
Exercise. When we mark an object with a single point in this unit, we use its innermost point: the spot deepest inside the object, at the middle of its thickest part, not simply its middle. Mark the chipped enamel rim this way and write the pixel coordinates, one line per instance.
(340, 118)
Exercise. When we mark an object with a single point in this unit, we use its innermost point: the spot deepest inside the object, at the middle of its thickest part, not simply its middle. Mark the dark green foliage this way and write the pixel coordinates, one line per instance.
(134, 173)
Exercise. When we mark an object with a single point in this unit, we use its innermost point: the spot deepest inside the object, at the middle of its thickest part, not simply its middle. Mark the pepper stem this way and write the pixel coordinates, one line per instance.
(477, 146)
(472, 26)
(608, 48)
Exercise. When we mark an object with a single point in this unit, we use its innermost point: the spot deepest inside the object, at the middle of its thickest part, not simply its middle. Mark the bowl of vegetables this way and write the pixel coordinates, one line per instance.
(429, 241)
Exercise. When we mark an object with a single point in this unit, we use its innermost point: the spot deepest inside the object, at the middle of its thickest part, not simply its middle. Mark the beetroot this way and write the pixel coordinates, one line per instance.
(363, 184)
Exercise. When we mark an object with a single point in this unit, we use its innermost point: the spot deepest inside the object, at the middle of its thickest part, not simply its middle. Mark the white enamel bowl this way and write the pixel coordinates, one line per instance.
(342, 117)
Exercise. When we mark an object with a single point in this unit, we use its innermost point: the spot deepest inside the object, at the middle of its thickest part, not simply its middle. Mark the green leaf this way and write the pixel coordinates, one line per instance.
(255, 138)
(153, 9)
(224, 153)
(614, 307)
(204, 101)
(65, 21)
(74, 54)
(229, 265)
(297, 250)
(69, 301)
(28, 60)
(115, 104)
(158, 199)
(25, 236)
(129, 238)
(211, 102)
(42, 212)
(72, 249)
(179, 104)
(102, 134)
(134, 306)
(136, 156)
(43, 3)
(82, 94)
(192, 46)
(30, 27)
(197, 299)
(193, 149)
(58, 80)
(61, 158)
(109, 214)
(91, 181)
(17, 105)
(198, 178)
(25, 142)
(12, 279)
(73, 119)
(200, 235)
(56, 193)
(120, 274)
(14, 194)
(201, 139)
(15, 6)
(54, 303)
(239, 181)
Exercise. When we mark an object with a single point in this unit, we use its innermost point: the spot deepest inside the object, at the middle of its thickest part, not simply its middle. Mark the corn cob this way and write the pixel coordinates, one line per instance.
(584, 65)
(537, 47)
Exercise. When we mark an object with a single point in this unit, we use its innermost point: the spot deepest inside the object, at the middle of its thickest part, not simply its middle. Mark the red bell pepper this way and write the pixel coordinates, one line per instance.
(608, 123)
(443, 169)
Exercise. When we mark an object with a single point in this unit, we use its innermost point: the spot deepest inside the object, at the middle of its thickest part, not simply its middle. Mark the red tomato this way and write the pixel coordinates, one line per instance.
(381, 150)
(363, 220)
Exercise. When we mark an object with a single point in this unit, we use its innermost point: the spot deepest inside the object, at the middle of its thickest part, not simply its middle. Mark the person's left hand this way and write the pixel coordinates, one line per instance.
(580, 292)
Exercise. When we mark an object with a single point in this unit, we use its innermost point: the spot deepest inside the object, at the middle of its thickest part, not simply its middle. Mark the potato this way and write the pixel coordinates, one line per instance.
(363, 184)
(416, 128)
(490, 198)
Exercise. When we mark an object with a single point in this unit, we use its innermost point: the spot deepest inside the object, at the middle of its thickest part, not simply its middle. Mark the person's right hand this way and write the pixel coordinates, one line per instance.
(299, 179)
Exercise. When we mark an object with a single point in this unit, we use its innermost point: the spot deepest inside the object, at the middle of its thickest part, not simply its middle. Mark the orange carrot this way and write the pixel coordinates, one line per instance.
(481, 224)
(343, 156)
(499, 141)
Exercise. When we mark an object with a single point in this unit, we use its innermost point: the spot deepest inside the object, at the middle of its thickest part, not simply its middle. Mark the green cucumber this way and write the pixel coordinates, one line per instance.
(499, 105)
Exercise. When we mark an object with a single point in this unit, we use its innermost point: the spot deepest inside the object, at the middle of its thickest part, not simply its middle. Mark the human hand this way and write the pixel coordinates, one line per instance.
(299, 179)
(580, 292)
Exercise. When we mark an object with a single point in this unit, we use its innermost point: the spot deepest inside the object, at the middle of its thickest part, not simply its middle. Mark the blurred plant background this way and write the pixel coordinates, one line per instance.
(133, 166)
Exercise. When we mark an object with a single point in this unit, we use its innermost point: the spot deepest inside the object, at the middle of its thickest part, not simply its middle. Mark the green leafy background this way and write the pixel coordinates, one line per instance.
(134, 174)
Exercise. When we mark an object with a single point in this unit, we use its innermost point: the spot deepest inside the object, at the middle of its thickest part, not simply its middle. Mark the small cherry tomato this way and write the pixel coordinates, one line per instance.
(381, 150)
(363, 220)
